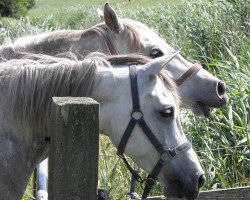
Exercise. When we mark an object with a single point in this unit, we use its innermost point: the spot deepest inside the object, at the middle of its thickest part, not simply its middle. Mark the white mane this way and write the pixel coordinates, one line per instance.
(32, 82)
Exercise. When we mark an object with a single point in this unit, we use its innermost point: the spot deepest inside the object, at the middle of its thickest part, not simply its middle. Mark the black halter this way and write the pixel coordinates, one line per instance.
(137, 118)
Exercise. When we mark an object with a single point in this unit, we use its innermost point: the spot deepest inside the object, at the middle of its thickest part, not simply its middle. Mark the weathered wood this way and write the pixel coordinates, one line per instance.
(74, 147)
(242, 193)
(34, 176)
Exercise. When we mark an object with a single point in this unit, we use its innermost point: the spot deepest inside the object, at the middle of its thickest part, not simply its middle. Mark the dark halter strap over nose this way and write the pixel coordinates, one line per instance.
(137, 118)
(195, 68)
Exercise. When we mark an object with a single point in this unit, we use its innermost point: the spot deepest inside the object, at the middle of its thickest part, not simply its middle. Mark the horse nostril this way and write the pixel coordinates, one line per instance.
(201, 181)
(221, 88)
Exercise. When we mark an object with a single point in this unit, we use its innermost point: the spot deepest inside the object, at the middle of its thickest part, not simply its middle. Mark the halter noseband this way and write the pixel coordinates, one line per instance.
(166, 155)
(195, 68)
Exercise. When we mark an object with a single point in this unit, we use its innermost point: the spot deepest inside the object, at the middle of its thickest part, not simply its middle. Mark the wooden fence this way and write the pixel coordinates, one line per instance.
(74, 149)
(242, 193)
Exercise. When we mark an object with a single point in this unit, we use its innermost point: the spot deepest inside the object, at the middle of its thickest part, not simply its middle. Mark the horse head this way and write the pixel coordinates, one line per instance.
(141, 117)
(199, 90)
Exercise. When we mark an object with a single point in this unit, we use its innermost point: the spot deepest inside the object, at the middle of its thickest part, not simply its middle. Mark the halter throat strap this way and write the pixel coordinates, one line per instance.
(137, 118)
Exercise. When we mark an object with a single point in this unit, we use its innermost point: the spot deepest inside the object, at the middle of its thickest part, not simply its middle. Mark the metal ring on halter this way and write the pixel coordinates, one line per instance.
(137, 115)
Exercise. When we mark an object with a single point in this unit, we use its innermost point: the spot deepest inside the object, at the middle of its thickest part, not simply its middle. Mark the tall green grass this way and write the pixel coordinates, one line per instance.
(213, 32)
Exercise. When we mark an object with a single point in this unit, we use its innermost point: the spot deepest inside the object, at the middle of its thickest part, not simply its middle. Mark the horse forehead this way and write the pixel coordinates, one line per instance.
(147, 33)
(156, 90)
(151, 38)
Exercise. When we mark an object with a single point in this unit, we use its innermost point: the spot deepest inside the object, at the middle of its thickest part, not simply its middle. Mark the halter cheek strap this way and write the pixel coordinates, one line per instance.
(110, 47)
(137, 118)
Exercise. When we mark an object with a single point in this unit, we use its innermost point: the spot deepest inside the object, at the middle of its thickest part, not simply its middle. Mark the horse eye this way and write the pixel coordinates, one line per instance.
(168, 112)
(156, 53)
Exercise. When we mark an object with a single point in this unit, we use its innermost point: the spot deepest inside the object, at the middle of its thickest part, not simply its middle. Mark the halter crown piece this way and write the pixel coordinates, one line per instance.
(166, 155)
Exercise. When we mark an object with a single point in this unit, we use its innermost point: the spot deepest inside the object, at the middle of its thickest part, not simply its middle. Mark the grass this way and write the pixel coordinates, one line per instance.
(44, 7)
(214, 32)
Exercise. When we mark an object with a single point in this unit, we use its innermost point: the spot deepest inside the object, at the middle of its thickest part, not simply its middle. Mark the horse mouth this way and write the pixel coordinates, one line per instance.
(200, 108)
(175, 190)
(206, 111)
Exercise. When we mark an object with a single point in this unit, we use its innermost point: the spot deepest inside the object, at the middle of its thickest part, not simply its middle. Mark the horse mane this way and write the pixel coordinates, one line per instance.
(33, 80)
(27, 43)
(128, 59)
(6, 52)
(133, 36)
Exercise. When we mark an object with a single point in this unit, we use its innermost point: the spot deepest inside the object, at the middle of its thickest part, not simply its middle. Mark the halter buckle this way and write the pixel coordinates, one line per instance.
(165, 157)
(171, 152)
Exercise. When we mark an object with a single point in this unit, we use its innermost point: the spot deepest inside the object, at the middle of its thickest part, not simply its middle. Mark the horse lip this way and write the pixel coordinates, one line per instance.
(205, 109)
(193, 196)
(179, 193)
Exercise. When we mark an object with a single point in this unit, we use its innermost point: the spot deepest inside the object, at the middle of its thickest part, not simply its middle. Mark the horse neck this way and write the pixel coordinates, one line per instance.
(18, 160)
(98, 38)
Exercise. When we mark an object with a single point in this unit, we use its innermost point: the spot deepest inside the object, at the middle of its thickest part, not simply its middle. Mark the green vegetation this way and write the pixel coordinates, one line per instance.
(15, 8)
(50, 7)
(214, 32)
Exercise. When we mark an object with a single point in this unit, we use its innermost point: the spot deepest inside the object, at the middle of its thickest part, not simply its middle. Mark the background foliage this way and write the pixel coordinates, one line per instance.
(212, 32)
(15, 8)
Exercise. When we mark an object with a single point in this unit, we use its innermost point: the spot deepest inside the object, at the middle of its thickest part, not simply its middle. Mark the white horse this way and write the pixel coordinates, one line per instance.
(27, 87)
(199, 90)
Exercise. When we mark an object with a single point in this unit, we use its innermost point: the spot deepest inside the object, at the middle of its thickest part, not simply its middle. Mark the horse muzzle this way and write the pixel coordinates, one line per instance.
(180, 189)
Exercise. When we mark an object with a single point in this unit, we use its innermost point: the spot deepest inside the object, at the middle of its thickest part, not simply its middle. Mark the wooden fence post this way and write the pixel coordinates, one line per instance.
(74, 148)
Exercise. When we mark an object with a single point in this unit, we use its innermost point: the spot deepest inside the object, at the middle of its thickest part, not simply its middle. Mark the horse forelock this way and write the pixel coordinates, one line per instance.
(170, 85)
(128, 59)
(134, 37)
(31, 84)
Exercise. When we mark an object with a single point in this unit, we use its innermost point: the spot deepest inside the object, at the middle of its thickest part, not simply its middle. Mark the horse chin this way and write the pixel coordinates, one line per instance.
(202, 109)
(175, 190)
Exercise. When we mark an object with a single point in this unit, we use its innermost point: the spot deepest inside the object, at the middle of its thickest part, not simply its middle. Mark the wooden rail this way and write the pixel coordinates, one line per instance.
(242, 193)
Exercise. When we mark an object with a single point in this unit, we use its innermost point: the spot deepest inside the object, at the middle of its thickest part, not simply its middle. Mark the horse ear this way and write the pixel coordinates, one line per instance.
(100, 14)
(156, 65)
(111, 19)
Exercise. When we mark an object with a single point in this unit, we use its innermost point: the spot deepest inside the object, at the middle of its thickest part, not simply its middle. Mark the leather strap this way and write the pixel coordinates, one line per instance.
(164, 158)
(110, 47)
(109, 44)
(192, 70)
